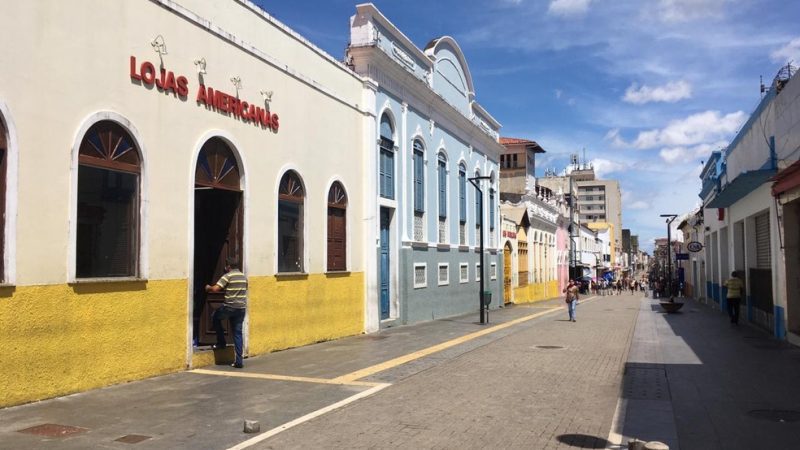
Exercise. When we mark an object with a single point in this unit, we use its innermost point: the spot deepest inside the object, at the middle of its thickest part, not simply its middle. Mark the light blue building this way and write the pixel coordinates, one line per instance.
(427, 137)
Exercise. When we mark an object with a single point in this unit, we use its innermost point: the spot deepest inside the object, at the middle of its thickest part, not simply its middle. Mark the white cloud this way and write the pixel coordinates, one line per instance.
(674, 155)
(603, 167)
(787, 53)
(704, 127)
(638, 204)
(559, 93)
(686, 10)
(615, 138)
(566, 8)
(670, 93)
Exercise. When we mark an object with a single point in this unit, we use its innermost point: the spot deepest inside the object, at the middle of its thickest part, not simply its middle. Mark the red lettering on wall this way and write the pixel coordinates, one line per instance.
(201, 95)
(183, 86)
(167, 81)
(134, 74)
(148, 72)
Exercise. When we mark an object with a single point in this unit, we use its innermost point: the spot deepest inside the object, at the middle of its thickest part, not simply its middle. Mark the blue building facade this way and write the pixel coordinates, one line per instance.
(430, 137)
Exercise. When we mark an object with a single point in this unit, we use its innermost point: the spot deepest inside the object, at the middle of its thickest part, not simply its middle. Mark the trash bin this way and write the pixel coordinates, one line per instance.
(487, 298)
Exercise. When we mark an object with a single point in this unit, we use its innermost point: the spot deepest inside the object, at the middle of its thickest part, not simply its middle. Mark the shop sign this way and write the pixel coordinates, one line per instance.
(166, 81)
(510, 234)
(694, 246)
(681, 256)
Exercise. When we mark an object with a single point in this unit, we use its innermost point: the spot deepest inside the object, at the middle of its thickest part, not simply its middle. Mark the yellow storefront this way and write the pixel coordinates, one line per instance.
(137, 158)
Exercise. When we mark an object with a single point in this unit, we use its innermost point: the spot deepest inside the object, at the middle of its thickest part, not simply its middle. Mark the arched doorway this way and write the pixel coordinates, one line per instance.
(507, 273)
(218, 229)
(3, 170)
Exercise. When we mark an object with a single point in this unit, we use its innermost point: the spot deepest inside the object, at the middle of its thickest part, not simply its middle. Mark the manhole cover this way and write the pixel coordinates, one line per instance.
(549, 347)
(775, 415)
(53, 430)
(376, 337)
(132, 439)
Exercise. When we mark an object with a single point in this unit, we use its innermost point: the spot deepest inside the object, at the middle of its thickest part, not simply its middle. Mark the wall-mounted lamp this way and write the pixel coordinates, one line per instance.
(237, 83)
(159, 45)
(200, 64)
(267, 96)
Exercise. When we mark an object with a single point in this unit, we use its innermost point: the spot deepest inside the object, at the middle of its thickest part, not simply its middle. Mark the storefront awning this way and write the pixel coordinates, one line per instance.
(737, 189)
(788, 179)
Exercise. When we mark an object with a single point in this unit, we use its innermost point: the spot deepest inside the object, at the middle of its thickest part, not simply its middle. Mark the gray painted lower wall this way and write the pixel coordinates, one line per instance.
(434, 301)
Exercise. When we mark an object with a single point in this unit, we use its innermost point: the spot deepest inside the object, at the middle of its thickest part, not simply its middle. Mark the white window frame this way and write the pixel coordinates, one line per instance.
(462, 266)
(493, 271)
(477, 271)
(424, 283)
(438, 272)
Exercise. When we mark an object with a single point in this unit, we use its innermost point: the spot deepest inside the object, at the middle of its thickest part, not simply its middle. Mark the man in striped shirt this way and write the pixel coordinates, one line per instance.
(234, 283)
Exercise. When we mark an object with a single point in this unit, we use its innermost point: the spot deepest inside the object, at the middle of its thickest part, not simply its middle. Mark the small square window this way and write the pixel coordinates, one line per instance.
(463, 272)
(444, 274)
(420, 275)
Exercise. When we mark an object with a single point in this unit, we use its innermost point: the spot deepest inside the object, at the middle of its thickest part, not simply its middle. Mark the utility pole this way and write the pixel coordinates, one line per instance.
(670, 218)
(474, 181)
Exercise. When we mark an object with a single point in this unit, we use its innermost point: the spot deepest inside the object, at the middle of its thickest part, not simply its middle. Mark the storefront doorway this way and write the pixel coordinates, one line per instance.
(507, 273)
(218, 230)
(385, 262)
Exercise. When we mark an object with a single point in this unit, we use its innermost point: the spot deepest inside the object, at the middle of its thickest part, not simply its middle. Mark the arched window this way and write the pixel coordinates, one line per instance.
(441, 169)
(462, 204)
(478, 212)
(108, 203)
(419, 190)
(290, 223)
(386, 158)
(337, 228)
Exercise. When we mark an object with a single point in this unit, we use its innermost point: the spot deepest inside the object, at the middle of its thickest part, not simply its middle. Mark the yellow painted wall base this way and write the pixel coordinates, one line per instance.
(289, 312)
(536, 292)
(63, 339)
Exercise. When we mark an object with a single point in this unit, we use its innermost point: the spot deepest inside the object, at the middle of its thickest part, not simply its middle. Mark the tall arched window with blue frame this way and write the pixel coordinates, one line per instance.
(386, 158)
(419, 190)
(462, 204)
(491, 216)
(478, 211)
(441, 169)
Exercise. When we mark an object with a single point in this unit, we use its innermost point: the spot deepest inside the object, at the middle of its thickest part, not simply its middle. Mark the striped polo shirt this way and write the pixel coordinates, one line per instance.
(235, 285)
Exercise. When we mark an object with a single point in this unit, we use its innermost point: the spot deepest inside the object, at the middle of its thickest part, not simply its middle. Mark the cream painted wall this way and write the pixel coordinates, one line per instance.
(54, 78)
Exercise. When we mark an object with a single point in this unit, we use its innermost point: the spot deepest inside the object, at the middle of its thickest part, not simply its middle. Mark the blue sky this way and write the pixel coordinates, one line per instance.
(648, 87)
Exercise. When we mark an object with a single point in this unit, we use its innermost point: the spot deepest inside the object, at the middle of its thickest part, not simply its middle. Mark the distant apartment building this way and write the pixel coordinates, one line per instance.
(596, 204)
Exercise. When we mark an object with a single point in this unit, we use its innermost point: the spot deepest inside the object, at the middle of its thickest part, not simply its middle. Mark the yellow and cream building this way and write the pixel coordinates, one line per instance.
(142, 144)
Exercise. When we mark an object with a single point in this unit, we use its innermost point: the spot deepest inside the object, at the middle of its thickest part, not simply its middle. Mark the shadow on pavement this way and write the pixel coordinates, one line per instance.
(698, 381)
(582, 441)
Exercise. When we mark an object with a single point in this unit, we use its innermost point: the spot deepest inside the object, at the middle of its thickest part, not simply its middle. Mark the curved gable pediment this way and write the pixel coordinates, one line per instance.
(451, 79)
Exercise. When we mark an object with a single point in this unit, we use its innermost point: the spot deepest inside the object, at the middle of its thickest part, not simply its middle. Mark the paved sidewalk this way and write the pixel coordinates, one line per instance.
(530, 379)
(206, 408)
(695, 381)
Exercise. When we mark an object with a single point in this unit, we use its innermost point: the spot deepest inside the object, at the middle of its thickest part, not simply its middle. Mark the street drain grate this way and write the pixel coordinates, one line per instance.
(132, 439)
(549, 347)
(775, 415)
(53, 430)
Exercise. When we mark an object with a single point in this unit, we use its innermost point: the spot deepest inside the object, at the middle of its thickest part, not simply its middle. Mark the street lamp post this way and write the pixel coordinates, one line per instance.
(475, 182)
(670, 218)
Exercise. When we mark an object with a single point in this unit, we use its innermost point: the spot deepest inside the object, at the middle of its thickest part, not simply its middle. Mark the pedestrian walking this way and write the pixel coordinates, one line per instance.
(571, 298)
(234, 283)
(735, 286)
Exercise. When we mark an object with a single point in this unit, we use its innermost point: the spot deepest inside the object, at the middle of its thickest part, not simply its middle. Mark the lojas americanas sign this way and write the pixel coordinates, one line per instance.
(213, 99)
